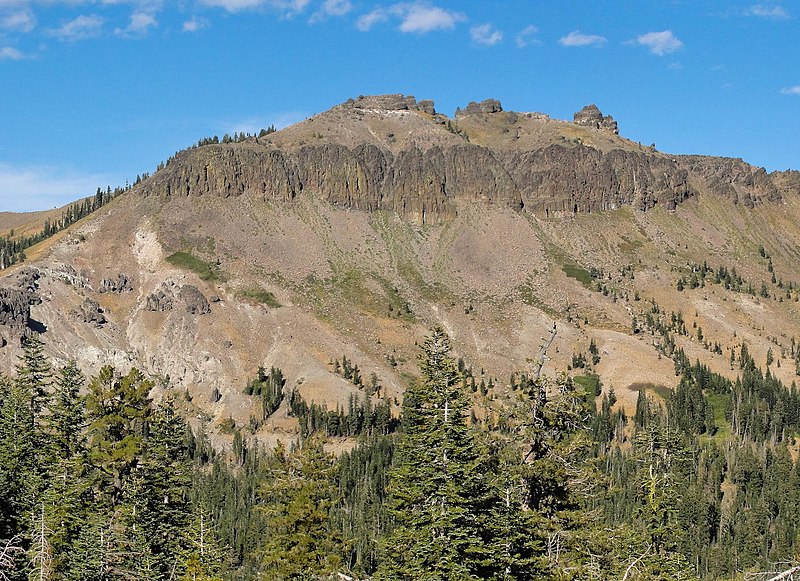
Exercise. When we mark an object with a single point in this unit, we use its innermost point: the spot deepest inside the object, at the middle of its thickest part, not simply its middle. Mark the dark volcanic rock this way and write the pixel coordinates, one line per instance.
(426, 183)
(160, 301)
(583, 179)
(119, 285)
(420, 185)
(196, 303)
(15, 307)
(740, 181)
(591, 116)
(90, 312)
(486, 106)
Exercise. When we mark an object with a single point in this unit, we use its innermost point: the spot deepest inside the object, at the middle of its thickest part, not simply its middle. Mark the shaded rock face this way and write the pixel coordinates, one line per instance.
(583, 179)
(419, 185)
(425, 181)
(165, 297)
(196, 303)
(160, 301)
(740, 181)
(590, 116)
(119, 285)
(90, 312)
(15, 307)
(16, 300)
(485, 106)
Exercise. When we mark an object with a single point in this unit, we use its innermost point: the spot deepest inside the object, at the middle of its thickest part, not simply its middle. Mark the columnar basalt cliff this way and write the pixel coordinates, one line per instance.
(393, 153)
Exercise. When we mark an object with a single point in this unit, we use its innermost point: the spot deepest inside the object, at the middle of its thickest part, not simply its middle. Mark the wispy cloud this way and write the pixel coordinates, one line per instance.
(485, 34)
(416, 17)
(331, 8)
(526, 36)
(8, 53)
(659, 43)
(772, 12)
(288, 8)
(366, 21)
(194, 24)
(791, 90)
(577, 38)
(140, 23)
(84, 26)
(28, 188)
(20, 20)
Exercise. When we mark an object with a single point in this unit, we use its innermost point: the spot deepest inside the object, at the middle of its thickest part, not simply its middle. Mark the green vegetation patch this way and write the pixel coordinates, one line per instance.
(259, 295)
(186, 260)
(591, 384)
(719, 403)
(579, 273)
(662, 391)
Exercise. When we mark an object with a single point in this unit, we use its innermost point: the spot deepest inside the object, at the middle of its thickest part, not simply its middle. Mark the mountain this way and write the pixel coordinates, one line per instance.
(355, 231)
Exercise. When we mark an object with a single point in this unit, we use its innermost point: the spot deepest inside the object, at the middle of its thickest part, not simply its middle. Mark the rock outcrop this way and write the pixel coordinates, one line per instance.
(419, 185)
(91, 313)
(484, 107)
(739, 181)
(160, 301)
(583, 179)
(590, 116)
(119, 285)
(195, 301)
(423, 180)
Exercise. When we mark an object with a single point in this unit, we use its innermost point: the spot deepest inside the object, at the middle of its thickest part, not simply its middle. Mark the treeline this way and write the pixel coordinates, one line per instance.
(707, 469)
(237, 137)
(12, 247)
(99, 482)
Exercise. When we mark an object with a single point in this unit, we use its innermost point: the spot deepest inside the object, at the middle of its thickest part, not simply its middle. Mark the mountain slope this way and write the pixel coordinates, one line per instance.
(355, 231)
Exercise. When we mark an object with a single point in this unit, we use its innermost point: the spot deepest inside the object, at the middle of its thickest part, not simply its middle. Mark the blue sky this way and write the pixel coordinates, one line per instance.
(94, 92)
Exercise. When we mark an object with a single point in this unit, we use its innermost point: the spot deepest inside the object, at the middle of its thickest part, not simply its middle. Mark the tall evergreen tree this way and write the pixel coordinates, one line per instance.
(297, 497)
(438, 488)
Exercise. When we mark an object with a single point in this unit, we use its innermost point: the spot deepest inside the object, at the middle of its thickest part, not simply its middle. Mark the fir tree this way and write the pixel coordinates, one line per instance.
(437, 487)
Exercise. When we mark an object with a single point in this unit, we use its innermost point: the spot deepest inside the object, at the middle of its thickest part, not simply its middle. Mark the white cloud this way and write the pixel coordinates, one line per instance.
(21, 20)
(194, 25)
(791, 90)
(28, 188)
(10, 53)
(526, 36)
(287, 7)
(773, 12)
(414, 17)
(577, 38)
(84, 26)
(659, 43)
(331, 8)
(366, 21)
(422, 18)
(140, 23)
(486, 34)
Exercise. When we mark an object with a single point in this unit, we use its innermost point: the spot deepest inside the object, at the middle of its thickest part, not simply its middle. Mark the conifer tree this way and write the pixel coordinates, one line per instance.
(297, 498)
(437, 488)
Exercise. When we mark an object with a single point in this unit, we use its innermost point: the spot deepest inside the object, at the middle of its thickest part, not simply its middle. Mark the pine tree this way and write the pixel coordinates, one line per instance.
(297, 498)
(437, 488)
(117, 409)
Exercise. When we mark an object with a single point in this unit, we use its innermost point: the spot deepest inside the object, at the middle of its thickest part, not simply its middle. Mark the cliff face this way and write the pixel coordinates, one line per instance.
(739, 181)
(392, 153)
(583, 179)
(419, 185)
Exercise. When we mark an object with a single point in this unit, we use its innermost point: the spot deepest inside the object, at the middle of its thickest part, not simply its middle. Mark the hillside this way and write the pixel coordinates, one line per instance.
(355, 231)
(306, 354)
